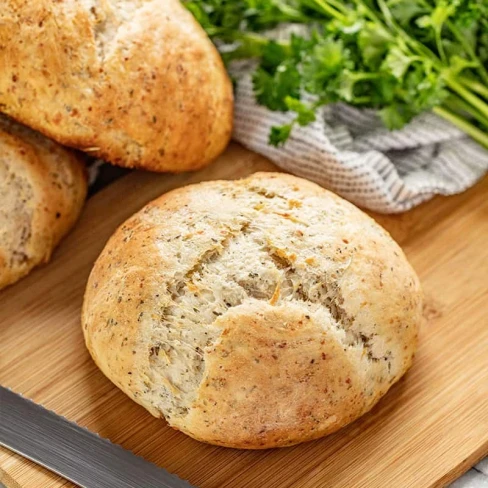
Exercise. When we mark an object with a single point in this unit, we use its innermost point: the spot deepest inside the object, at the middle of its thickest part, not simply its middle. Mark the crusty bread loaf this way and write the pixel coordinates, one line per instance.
(42, 190)
(136, 82)
(252, 314)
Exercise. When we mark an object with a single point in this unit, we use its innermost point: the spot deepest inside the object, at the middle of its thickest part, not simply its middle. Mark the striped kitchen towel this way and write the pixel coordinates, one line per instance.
(349, 151)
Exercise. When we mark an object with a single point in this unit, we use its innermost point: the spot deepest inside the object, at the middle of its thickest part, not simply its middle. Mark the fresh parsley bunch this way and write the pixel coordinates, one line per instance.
(401, 57)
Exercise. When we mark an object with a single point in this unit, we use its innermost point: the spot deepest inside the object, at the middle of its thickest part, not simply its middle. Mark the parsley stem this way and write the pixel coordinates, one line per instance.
(362, 100)
(474, 85)
(417, 46)
(478, 135)
(371, 14)
(339, 6)
(468, 96)
(462, 40)
(440, 47)
(326, 8)
(457, 90)
(469, 50)
(457, 104)
(290, 14)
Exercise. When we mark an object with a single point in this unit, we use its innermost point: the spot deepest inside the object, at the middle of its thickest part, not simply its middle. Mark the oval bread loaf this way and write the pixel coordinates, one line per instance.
(136, 82)
(42, 190)
(252, 314)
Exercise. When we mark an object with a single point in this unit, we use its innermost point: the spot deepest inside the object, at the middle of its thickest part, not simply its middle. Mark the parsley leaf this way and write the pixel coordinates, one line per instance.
(272, 89)
(279, 134)
(401, 57)
(305, 114)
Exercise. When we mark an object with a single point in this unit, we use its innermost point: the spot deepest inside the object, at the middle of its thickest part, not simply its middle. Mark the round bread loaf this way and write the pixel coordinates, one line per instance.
(253, 314)
(42, 190)
(136, 82)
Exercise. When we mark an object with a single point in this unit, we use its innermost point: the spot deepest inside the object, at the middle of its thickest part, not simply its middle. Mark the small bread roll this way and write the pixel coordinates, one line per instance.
(42, 190)
(253, 314)
(135, 82)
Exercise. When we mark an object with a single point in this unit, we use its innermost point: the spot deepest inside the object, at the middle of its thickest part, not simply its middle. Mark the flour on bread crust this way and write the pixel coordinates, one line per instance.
(42, 191)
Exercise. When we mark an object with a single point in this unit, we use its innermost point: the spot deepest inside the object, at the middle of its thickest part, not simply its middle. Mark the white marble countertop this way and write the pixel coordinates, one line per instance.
(476, 477)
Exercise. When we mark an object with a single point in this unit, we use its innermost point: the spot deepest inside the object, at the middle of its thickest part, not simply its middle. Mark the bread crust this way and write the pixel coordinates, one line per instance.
(42, 190)
(253, 314)
(135, 82)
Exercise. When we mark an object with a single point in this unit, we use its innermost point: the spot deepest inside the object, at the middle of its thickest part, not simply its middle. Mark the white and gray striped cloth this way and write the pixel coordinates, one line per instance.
(349, 151)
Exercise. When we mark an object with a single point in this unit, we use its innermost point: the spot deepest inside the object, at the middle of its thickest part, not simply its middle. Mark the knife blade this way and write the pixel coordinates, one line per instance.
(74, 452)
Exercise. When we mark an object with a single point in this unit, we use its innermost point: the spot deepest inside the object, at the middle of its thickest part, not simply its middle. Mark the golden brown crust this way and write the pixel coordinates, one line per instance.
(291, 382)
(42, 190)
(136, 82)
(253, 314)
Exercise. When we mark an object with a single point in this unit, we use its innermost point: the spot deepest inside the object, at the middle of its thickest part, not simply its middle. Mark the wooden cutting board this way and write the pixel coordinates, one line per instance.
(429, 428)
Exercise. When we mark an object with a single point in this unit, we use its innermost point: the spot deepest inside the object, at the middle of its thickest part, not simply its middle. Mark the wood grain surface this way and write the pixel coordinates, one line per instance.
(428, 430)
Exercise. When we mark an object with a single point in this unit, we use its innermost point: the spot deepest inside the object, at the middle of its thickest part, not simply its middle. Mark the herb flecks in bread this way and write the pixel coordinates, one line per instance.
(253, 314)
(42, 191)
(135, 82)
